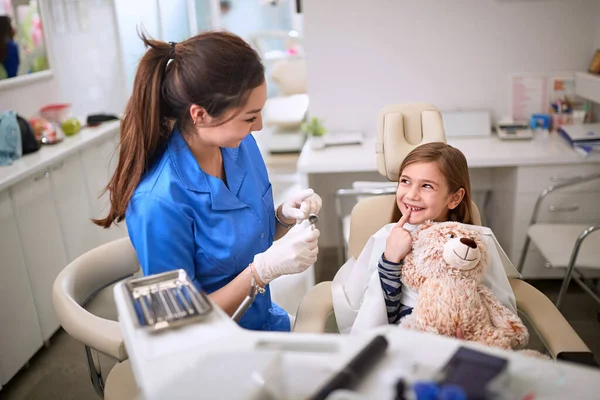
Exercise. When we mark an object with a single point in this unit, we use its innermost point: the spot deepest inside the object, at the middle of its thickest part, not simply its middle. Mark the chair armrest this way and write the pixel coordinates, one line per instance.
(98, 333)
(314, 309)
(552, 327)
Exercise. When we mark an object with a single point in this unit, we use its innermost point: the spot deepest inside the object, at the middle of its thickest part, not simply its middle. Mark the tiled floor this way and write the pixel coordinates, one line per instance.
(60, 372)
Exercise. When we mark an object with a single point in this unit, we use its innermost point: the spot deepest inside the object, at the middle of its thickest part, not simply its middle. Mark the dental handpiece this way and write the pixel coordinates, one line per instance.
(313, 219)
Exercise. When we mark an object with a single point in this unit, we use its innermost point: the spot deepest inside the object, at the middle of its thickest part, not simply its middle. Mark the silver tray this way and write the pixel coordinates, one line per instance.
(166, 300)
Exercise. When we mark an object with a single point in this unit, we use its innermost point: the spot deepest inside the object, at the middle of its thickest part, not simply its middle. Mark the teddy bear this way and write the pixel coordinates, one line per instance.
(446, 267)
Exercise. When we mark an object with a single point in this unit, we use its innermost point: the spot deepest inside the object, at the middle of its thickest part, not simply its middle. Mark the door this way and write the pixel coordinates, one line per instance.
(99, 162)
(20, 335)
(73, 206)
(42, 243)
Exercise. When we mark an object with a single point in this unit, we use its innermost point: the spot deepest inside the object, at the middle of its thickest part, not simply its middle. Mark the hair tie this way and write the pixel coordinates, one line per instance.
(172, 52)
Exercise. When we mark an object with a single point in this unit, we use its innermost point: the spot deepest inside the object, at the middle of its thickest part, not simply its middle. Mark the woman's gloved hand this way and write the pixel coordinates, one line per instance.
(301, 205)
(291, 254)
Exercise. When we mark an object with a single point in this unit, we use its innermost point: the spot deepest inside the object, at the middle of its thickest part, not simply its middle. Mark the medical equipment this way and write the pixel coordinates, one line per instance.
(360, 365)
(247, 302)
(473, 371)
(514, 130)
(166, 300)
(467, 123)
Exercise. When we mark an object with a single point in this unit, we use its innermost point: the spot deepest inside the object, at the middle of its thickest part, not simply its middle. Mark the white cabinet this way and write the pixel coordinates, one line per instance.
(42, 243)
(20, 335)
(99, 163)
(80, 234)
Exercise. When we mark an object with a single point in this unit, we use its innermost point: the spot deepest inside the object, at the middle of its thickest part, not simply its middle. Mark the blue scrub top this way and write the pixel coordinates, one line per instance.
(181, 217)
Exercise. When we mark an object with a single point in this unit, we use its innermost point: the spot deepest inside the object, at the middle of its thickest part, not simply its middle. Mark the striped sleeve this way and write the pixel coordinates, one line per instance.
(389, 276)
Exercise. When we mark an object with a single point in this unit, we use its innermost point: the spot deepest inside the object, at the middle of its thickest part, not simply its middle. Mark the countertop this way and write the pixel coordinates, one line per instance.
(32, 163)
(481, 152)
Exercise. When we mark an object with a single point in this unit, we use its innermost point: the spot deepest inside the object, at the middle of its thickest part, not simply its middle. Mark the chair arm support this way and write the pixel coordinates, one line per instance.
(315, 308)
(552, 327)
(98, 333)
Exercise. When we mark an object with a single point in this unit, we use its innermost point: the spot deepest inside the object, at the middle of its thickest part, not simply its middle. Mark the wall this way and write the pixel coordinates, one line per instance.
(363, 55)
(596, 44)
(247, 17)
(86, 67)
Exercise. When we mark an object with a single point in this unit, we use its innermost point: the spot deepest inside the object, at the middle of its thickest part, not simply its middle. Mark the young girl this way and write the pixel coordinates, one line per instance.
(434, 185)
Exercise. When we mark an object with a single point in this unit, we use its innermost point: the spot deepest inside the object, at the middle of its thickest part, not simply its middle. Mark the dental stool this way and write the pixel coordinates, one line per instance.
(82, 292)
(400, 129)
(570, 246)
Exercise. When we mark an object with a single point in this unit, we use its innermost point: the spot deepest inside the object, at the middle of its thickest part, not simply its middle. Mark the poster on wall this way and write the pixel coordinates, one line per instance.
(535, 93)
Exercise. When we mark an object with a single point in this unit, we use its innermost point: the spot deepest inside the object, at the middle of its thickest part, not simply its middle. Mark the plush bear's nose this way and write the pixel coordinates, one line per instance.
(469, 242)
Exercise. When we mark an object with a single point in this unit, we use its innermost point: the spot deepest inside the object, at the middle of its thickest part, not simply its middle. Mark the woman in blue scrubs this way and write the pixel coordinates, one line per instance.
(191, 182)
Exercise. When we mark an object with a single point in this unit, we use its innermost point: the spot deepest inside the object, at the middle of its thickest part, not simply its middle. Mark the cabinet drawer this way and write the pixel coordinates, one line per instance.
(535, 179)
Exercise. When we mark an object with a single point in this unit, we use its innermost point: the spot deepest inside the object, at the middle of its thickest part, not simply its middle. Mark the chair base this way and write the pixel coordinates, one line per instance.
(120, 383)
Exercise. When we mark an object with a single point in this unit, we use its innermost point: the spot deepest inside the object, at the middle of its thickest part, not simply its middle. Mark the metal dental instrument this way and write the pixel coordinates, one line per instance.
(247, 302)
(241, 310)
(166, 300)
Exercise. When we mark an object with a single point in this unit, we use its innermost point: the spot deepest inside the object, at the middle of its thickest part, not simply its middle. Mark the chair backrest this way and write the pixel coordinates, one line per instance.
(371, 214)
(401, 128)
(83, 277)
(290, 75)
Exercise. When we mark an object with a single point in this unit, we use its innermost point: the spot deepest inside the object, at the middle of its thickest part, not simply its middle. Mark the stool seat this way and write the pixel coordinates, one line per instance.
(556, 241)
(120, 383)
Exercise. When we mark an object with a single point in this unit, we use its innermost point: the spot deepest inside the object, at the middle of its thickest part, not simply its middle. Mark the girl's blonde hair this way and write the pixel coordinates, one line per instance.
(453, 165)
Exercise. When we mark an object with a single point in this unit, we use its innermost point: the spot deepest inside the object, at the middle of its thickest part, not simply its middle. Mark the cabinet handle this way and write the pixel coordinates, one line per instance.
(59, 166)
(556, 178)
(571, 208)
(40, 177)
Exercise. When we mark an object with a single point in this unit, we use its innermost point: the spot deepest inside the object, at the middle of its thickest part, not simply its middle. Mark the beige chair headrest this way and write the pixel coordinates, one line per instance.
(401, 128)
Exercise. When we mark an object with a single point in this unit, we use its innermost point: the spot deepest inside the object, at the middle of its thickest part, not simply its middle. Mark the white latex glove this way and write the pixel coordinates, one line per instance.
(301, 205)
(291, 254)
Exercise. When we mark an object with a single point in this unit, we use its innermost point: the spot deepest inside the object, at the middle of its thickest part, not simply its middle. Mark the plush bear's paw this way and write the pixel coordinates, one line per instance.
(431, 329)
(534, 353)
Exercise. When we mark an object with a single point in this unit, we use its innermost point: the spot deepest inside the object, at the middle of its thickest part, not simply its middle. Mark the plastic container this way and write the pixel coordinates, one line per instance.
(56, 113)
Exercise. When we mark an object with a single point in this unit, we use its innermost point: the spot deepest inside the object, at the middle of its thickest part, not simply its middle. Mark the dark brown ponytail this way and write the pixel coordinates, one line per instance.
(215, 70)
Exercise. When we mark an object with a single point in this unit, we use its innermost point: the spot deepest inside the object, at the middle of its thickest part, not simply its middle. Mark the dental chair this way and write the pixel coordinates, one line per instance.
(400, 129)
(83, 300)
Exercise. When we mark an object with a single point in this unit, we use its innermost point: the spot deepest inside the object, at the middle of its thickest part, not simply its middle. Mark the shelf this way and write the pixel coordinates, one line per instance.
(588, 86)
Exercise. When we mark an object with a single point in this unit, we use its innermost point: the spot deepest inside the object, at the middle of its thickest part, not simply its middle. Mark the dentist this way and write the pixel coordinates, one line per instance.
(191, 182)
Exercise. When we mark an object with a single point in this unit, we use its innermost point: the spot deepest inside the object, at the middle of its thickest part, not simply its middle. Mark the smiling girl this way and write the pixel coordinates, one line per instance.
(434, 185)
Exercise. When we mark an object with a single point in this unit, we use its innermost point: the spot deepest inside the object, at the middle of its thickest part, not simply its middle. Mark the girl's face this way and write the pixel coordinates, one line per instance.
(231, 133)
(423, 189)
